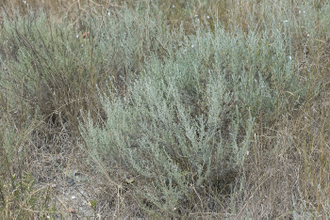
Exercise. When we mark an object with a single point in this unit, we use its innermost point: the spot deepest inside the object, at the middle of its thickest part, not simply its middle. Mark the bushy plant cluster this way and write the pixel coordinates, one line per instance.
(54, 67)
(189, 117)
(191, 108)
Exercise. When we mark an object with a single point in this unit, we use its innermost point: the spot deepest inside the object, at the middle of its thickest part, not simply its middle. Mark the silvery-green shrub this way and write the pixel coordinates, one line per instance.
(190, 116)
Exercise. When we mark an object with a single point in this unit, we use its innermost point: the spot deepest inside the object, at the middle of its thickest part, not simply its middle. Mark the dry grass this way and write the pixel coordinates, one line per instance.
(287, 168)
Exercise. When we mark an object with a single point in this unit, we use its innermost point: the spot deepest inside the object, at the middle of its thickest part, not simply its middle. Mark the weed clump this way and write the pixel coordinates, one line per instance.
(186, 123)
(180, 108)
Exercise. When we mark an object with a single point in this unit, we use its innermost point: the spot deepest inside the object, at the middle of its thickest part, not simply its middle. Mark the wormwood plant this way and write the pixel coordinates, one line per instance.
(189, 118)
(53, 67)
(182, 104)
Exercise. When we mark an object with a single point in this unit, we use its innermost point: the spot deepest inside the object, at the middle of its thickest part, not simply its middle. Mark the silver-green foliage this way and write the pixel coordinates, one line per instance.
(191, 115)
(50, 65)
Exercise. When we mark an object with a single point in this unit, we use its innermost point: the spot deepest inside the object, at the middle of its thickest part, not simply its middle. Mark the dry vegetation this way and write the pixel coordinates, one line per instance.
(45, 170)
